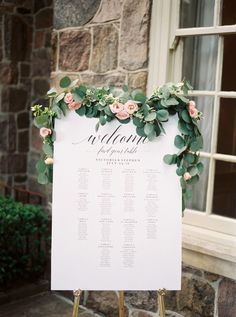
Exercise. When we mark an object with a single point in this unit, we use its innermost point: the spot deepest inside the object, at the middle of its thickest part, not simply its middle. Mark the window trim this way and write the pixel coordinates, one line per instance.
(165, 48)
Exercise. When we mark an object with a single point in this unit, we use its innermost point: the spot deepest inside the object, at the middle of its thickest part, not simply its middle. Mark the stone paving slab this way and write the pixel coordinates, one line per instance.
(42, 305)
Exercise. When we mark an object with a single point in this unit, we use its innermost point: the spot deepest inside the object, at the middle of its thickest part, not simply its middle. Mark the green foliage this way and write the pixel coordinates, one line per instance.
(149, 118)
(24, 239)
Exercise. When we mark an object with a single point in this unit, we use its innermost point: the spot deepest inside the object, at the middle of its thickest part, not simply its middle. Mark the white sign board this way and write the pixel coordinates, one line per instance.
(116, 208)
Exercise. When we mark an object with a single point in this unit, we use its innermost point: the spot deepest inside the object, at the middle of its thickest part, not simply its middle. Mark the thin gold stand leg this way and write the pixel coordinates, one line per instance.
(161, 302)
(77, 294)
(121, 304)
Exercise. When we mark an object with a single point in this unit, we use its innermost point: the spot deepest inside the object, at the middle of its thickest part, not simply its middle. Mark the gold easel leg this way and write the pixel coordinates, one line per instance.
(77, 294)
(161, 302)
(121, 304)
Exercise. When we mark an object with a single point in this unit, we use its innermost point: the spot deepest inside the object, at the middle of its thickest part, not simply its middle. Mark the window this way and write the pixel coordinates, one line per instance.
(196, 40)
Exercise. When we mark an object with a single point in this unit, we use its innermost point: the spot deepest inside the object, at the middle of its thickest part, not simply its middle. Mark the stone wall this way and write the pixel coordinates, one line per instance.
(25, 33)
(203, 295)
(106, 42)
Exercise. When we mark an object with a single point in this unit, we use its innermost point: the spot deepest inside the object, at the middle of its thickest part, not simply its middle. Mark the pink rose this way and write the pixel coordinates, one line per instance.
(45, 132)
(74, 105)
(187, 176)
(116, 107)
(122, 115)
(48, 161)
(68, 98)
(191, 104)
(193, 112)
(130, 106)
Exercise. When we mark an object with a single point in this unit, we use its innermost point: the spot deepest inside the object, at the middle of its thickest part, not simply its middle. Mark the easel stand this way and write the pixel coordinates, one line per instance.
(161, 303)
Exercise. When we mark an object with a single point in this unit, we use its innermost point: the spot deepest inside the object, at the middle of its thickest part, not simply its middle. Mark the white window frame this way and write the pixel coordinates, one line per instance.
(209, 241)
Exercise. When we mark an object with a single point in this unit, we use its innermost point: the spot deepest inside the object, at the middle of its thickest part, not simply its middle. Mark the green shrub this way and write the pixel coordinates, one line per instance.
(24, 237)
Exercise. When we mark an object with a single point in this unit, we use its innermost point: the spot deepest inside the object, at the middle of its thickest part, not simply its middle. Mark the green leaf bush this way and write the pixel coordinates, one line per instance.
(24, 241)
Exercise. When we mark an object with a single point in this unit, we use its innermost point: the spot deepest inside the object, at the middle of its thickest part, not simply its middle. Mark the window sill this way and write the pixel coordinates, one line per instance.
(209, 250)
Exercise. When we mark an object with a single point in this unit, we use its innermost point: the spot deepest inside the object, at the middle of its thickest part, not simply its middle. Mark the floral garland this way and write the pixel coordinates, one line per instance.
(148, 115)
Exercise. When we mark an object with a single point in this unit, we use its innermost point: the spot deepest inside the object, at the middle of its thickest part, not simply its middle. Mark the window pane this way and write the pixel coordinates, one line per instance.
(224, 199)
(198, 202)
(205, 105)
(228, 12)
(229, 63)
(196, 13)
(199, 61)
(227, 127)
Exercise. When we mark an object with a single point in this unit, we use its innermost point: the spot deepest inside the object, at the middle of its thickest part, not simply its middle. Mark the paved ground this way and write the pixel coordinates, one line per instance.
(42, 305)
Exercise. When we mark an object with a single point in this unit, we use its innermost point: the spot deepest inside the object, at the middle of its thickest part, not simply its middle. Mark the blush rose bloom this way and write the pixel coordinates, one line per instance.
(193, 112)
(74, 105)
(122, 115)
(48, 161)
(68, 98)
(116, 107)
(187, 176)
(45, 132)
(130, 106)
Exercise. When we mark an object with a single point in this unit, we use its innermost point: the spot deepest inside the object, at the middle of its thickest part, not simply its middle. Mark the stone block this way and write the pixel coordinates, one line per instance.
(13, 163)
(145, 300)
(25, 69)
(12, 134)
(8, 73)
(39, 38)
(74, 50)
(109, 10)
(68, 13)
(41, 62)
(44, 19)
(227, 298)
(105, 48)
(40, 87)
(38, 5)
(105, 302)
(113, 79)
(138, 80)
(141, 313)
(4, 133)
(18, 38)
(13, 99)
(195, 299)
(134, 35)
(23, 141)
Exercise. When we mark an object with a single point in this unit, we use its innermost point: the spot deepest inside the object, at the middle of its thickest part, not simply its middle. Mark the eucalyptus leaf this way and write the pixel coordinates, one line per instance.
(138, 122)
(41, 166)
(52, 92)
(170, 159)
(108, 112)
(189, 157)
(41, 121)
(102, 120)
(140, 131)
(65, 82)
(180, 171)
(193, 170)
(193, 180)
(150, 117)
(81, 111)
(197, 144)
(125, 88)
(48, 149)
(188, 194)
(151, 136)
(59, 97)
(138, 95)
(162, 115)
(200, 167)
(148, 128)
(183, 128)
(42, 179)
(179, 142)
(185, 116)
(171, 102)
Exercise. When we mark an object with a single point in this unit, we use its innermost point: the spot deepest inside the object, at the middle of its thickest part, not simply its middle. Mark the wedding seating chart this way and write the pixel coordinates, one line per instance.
(116, 208)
